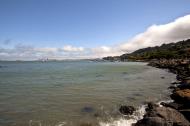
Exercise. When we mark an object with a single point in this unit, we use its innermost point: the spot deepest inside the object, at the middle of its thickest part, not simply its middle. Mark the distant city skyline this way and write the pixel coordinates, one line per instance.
(80, 29)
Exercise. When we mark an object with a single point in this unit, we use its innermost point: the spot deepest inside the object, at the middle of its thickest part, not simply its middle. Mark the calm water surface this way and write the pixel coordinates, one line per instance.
(73, 92)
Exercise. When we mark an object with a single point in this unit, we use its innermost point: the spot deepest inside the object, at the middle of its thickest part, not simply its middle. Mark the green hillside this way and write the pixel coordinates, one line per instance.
(165, 51)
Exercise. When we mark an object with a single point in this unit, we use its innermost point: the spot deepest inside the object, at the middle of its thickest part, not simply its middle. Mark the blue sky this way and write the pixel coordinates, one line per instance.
(82, 23)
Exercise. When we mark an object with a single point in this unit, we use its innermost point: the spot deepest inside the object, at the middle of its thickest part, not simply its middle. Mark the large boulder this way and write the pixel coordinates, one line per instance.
(187, 80)
(172, 105)
(151, 121)
(151, 106)
(163, 116)
(184, 86)
(126, 110)
(181, 96)
(186, 113)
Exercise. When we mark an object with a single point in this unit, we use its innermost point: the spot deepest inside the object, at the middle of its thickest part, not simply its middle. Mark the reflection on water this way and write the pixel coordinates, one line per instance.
(75, 92)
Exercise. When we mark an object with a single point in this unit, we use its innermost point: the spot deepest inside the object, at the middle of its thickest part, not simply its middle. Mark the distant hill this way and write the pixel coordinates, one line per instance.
(177, 50)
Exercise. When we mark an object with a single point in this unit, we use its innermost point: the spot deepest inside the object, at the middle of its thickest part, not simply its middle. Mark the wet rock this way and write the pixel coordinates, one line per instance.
(163, 116)
(87, 109)
(127, 110)
(186, 113)
(187, 80)
(178, 77)
(172, 105)
(184, 86)
(163, 77)
(151, 106)
(151, 121)
(173, 113)
(172, 87)
(176, 82)
(181, 96)
(173, 71)
(96, 115)
(176, 89)
(124, 73)
(181, 76)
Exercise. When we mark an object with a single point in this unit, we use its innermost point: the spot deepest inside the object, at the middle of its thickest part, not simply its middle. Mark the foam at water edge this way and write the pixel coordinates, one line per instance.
(165, 101)
(61, 124)
(138, 114)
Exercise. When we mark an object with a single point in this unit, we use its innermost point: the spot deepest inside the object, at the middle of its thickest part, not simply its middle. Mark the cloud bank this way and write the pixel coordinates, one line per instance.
(69, 48)
(25, 52)
(159, 34)
(154, 35)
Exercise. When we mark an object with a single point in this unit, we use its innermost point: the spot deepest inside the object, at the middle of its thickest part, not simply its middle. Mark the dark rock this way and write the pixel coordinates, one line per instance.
(173, 71)
(172, 87)
(163, 116)
(151, 106)
(127, 110)
(176, 82)
(186, 113)
(187, 80)
(124, 73)
(181, 96)
(180, 76)
(176, 89)
(184, 86)
(96, 115)
(87, 109)
(172, 105)
(163, 77)
(151, 121)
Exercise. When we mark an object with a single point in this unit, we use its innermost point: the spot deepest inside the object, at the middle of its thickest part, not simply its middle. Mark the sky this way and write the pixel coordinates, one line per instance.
(80, 29)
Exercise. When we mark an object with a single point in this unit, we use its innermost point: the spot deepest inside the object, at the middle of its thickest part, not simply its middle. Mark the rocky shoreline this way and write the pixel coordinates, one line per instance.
(175, 57)
(176, 113)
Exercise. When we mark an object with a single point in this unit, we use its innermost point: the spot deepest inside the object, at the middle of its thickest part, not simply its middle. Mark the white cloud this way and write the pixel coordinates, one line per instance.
(26, 52)
(105, 51)
(159, 34)
(46, 50)
(155, 35)
(102, 49)
(69, 48)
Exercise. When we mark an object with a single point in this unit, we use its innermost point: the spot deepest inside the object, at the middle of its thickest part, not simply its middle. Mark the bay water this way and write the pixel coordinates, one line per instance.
(74, 93)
